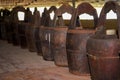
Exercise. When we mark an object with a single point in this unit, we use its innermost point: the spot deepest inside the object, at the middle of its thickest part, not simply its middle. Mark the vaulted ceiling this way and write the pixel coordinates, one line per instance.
(33, 3)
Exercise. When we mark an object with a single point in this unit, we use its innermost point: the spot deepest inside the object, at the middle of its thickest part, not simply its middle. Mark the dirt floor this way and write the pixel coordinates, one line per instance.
(20, 64)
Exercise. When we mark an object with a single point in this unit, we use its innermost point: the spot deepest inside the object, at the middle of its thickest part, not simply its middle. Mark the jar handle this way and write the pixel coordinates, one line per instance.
(58, 14)
(84, 8)
(110, 5)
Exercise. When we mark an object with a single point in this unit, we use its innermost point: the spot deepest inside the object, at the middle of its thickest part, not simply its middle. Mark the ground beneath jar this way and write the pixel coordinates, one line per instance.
(20, 64)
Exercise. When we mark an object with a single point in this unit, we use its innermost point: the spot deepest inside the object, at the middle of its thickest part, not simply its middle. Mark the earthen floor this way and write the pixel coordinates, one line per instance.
(20, 64)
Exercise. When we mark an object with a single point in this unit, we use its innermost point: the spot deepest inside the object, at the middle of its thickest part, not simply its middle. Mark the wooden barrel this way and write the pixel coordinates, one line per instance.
(77, 39)
(30, 37)
(76, 51)
(46, 35)
(59, 36)
(22, 34)
(3, 30)
(103, 49)
(15, 25)
(38, 33)
(15, 37)
(1, 19)
(9, 30)
(0, 32)
(36, 27)
(19, 28)
(29, 30)
(5, 23)
(59, 46)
